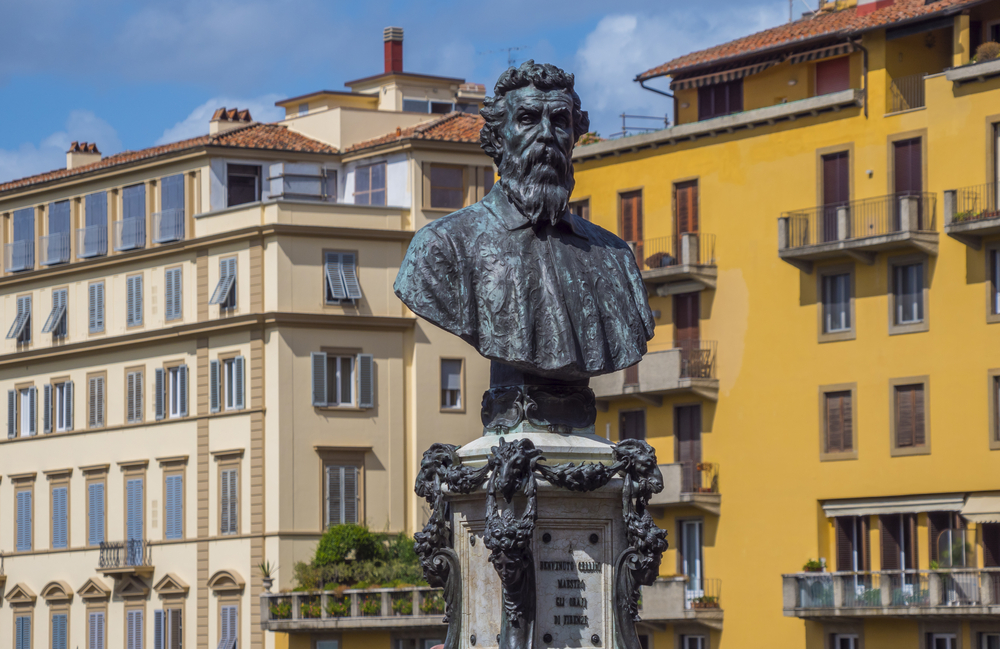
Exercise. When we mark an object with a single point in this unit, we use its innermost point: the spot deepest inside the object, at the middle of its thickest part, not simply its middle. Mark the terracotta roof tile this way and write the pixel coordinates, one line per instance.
(842, 24)
(272, 137)
(453, 127)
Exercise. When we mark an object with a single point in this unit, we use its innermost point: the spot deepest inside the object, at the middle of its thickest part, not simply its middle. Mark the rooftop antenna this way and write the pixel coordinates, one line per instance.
(791, 10)
(509, 51)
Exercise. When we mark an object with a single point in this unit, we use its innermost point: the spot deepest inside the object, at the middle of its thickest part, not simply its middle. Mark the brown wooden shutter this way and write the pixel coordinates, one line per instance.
(889, 526)
(632, 424)
(845, 543)
(834, 423)
(833, 75)
(847, 410)
(866, 547)
(910, 525)
(904, 416)
(919, 426)
(991, 545)
(687, 317)
(735, 89)
(686, 200)
(688, 436)
(937, 522)
(908, 159)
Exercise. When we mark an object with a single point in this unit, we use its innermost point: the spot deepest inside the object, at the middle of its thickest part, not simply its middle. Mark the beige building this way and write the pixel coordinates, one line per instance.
(205, 364)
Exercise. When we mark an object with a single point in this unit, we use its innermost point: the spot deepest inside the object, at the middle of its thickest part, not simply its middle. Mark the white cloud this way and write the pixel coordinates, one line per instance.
(622, 46)
(262, 109)
(50, 154)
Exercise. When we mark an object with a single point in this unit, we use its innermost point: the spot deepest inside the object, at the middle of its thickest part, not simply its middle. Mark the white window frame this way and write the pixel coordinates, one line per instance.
(26, 411)
(692, 641)
(174, 388)
(695, 586)
(229, 384)
(451, 398)
(850, 638)
(984, 639)
(836, 292)
(902, 274)
(335, 381)
(224, 294)
(62, 405)
(950, 638)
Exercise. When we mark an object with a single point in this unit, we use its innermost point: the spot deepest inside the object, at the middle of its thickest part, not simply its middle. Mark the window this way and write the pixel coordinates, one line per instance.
(229, 505)
(630, 211)
(226, 383)
(60, 517)
(242, 184)
(303, 109)
(20, 330)
(685, 209)
(447, 186)
(843, 641)
(95, 307)
(22, 632)
(55, 246)
(342, 502)
(994, 32)
(302, 181)
(910, 424)
(57, 407)
(899, 545)
(133, 300)
(690, 556)
(133, 516)
(341, 272)
(168, 223)
(369, 185)
(416, 106)
(942, 641)
(994, 285)
(92, 239)
(95, 630)
(838, 418)
(229, 627)
(451, 384)
(21, 251)
(339, 381)
(852, 543)
(694, 642)
(441, 107)
(21, 412)
(720, 99)
(833, 75)
(908, 289)
(60, 622)
(167, 629)
(580, 208)
(55, 324)
(131, 230)
(173, 292)
(172, 392)
(95, 513)
(632, 424)
(836, 303)
(24, 516)
(173, 507)
(225, 291)
(95, 401)
(990, 641)
(133, 397)
(134, 631)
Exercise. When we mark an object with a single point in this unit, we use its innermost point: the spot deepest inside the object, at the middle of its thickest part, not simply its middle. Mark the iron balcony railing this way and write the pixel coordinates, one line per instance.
(420, 605)
(698, 359)
(871, 217)
(19, 256)
(55, 248)
(130, 234)
(907, 93)
(664, 252)
(125, 554)
(92, 241)
(699, 478)
(705, 593)
(955, 587)
(168, 225)
(975, 203)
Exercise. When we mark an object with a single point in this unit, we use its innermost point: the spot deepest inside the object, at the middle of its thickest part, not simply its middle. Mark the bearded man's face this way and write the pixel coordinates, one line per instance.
(536, 171)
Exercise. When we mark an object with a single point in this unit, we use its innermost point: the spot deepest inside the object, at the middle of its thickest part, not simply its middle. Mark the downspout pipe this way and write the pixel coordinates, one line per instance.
(864, 69)
(642, 83)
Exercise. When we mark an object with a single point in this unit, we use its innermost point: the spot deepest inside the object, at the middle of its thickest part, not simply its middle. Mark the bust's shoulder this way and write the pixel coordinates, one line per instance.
(457, 225)
(597, 234)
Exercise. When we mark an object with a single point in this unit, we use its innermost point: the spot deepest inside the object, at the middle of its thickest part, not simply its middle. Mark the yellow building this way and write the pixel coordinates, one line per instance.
(820, 237)
(205, 365)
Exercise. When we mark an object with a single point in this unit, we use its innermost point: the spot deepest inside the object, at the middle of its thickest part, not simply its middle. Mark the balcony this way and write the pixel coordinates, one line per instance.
(126, 558)
(858, 230)
(970, 214)
(19, 256)
(130, 234)
(168, 225)
(671, 600)
(907, 93)
(959, 592)
(689, 484)
(55, 248)
(92, 241)
(686, 369)
(353, 609)
(976, 72)
(672, 265)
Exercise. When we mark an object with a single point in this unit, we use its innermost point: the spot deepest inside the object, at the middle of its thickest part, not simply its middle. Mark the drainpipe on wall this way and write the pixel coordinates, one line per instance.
(864, 69)
(642, 84)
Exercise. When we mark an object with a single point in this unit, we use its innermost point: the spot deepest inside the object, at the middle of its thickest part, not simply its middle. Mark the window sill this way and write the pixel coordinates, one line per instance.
(901, 329)
(838, 457)
(453, 411)
(341, 408)
(444, 210)
(910, 450)
(838, 336)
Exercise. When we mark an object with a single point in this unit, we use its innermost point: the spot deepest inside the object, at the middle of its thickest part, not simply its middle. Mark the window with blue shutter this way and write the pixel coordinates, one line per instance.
(214, 386)
(229, 629)
(95, 307)
(232, 383)
(133, 630)
(95, 631)
(22, 632)
(366, 381)
(11, 414)
(133, 300)
(225, 291)
(47, 408)
(131, 230)
(168, 223)
(173, 391)
(55, 324)
(60, 515)
(133, 397)
(172, 294)
(342, 499)
(174, 507)
(229, 505)
(92, 240)
(319, 378)
(23, 521)
(95, 513)
(20, 329)
(59, 623)
(134, 515)
(95, 403)
(341, 274)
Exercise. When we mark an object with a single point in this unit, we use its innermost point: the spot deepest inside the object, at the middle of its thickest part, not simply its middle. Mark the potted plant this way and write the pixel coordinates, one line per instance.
(267, 570)
(812, 566)
(281, 610)
(705, 601)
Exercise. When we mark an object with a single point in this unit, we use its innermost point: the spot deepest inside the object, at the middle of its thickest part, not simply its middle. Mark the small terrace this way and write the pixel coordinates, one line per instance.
(686, 369)
(126, 558)
(130, 234)
(19, 256)
(168, 225)
(674, 599)
(858, 229)
(959, 592)
(970, 214)
(92, 241)
(353, 609)
(689, 484)
(680, 264)
(55, 248)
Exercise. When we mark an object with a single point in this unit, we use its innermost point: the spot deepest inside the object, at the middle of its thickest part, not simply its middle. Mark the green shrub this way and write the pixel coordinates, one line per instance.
(282, 610)
(371, 605)
(432, 604)
(342, 542)
(339, 607)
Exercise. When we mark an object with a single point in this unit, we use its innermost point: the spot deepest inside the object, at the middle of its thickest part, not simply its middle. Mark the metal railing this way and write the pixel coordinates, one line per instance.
(956, 587)
(125, 554)
(699, 477)
(871, 217)
(975, 203)
(698, 359)
(707, 594)
(815, 590)
(641, 129)
(907, 93)
(664, 252)
(422, 603)
(92, 241)
(130, 234)
(168, 225)
(863, 590)
(19, 256)
(55, 248)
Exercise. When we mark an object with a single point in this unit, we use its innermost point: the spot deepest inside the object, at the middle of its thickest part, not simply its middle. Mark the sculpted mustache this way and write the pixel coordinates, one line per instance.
(542, 155)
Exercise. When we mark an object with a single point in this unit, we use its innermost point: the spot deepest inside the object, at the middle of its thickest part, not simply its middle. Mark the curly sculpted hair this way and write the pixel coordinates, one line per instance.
(544, 76)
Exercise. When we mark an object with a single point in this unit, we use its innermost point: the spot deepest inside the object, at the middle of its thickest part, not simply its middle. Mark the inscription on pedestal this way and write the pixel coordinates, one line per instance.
(572, 582)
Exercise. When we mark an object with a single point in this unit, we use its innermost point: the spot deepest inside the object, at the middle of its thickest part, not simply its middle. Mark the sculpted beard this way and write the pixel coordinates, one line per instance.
(539, 183)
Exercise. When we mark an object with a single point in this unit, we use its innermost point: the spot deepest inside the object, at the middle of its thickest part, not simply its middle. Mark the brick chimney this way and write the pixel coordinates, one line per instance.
(82, 153)
(226, 120)
(867, 6)
(393, 37)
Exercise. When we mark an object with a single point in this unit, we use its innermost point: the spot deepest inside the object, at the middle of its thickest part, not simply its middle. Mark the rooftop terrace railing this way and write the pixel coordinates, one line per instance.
(907, 93)
(365, 607)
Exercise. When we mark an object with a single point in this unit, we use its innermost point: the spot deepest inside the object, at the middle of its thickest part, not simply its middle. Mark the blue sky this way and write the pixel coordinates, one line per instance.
(128, 75)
